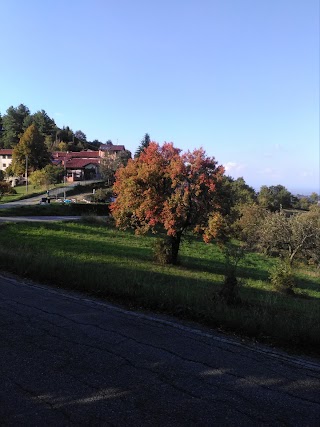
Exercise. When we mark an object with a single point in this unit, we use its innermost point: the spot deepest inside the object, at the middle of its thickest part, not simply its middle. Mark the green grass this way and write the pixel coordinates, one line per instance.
(21, 193)
(118, 265)
(54, 209)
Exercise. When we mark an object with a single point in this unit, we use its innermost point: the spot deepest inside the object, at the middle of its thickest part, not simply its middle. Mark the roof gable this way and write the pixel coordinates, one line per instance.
(81, 163)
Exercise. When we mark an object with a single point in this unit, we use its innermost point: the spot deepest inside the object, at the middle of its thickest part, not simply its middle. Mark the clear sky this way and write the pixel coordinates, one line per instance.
(238, 77)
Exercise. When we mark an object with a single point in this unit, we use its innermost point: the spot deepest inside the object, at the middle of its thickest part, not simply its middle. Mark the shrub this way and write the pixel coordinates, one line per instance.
(5, 188)
(103, 195)
(230, 289)
(281, 277)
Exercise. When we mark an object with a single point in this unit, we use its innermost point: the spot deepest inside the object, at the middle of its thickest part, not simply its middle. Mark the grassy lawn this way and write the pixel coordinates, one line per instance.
(21, 193)
(118, 265)
(56, 209)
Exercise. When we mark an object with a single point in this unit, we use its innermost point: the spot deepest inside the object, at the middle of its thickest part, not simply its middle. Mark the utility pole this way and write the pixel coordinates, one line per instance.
(64, 179)
(27, 174)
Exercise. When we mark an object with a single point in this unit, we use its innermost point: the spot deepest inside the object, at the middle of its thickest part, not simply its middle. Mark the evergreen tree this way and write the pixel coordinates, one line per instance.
(13, 123)
(44, 123)
(80, 136)
(143, 145)
(1, 131)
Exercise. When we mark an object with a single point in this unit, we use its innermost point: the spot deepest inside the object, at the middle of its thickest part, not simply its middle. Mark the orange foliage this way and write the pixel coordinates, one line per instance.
(164, 189)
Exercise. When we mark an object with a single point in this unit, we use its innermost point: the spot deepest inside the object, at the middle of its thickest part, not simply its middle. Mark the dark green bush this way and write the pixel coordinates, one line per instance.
(229, 292)
(281, 277)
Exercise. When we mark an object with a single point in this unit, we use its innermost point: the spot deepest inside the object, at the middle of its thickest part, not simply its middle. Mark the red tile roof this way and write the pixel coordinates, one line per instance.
(5, 151)
(80, 163)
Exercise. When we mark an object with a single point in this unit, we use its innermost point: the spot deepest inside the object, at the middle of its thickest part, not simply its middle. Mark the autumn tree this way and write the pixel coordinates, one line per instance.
(63, 146)
(163, 190)
(31, 150)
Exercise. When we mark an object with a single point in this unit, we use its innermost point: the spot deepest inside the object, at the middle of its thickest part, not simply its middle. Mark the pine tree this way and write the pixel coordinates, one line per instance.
(143, 145)
(13, 124)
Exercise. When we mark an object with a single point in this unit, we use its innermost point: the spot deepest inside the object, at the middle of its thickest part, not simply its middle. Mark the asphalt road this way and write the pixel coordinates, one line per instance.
(69, 360)
(53, 192)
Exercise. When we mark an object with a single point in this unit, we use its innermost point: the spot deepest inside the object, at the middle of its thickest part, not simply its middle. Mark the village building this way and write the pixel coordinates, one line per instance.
(78, 165)
(5, 158)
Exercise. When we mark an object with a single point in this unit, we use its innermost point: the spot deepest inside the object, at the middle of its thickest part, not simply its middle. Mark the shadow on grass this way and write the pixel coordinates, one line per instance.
(304, 283)
(218, 266)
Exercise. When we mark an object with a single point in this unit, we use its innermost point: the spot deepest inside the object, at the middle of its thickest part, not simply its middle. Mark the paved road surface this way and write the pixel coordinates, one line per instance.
(66, 360)
(53, 192)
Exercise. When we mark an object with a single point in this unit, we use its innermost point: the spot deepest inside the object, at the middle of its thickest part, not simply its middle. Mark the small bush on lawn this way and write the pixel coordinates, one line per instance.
(230, 290)
(281, 277)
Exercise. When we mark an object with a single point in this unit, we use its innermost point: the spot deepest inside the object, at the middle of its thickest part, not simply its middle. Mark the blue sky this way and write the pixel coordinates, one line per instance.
(237, 77)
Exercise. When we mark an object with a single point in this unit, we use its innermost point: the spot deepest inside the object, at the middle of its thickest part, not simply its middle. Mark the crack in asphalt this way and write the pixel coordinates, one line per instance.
(40, 399)
(156, 373)
(155, 321)
(94, 325)
(160, 375)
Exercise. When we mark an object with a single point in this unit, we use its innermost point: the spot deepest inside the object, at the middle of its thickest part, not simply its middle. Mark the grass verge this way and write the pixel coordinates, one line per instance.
(117, 265)
(56, 209)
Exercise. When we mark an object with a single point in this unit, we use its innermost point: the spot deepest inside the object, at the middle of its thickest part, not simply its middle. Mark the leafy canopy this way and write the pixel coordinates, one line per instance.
(164, 190)
(31, 147)
(47, 176)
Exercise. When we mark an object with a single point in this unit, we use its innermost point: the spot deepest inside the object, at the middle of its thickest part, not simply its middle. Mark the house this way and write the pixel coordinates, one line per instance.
(110, 149)
(78, 169)
(5, 158)
(79, 165)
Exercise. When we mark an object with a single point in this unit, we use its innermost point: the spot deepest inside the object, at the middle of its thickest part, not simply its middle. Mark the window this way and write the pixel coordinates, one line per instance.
(4, 165)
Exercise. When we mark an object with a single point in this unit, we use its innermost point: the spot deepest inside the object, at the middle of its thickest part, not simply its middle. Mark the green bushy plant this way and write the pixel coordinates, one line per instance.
(281, 277)
(230, 290)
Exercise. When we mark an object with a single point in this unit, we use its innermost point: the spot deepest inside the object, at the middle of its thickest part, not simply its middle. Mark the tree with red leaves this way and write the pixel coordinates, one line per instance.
(164, 190)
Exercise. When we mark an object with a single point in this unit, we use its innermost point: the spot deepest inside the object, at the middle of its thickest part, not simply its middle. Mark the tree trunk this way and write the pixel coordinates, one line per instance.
(175, 245)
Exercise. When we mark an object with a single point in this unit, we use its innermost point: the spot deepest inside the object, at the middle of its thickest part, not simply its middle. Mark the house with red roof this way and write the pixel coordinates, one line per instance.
(79, 165)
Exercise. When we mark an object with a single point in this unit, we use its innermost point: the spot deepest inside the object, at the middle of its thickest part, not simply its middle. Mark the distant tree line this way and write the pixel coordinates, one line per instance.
(16, 120)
